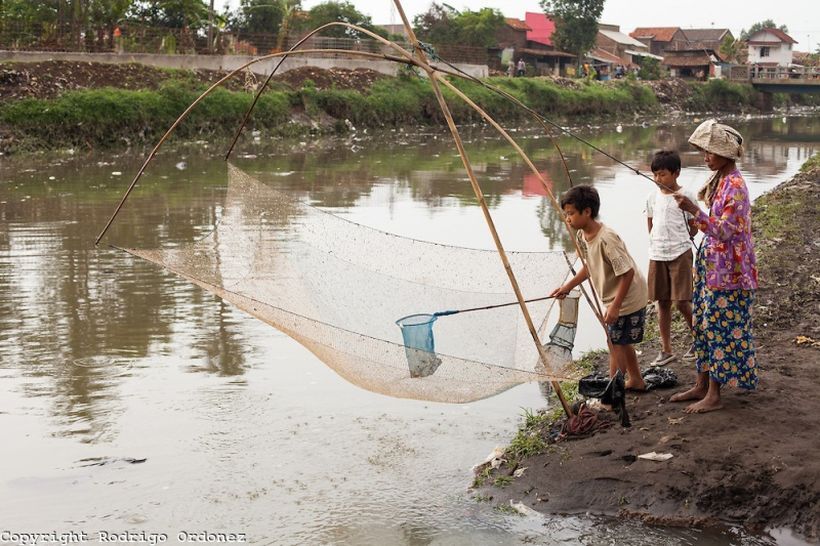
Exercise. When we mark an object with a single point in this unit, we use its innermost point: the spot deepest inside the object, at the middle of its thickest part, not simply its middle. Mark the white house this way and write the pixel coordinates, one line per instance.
(770, 47)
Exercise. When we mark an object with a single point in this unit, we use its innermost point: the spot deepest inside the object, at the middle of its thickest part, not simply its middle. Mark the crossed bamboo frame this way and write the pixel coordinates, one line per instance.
(419, 59)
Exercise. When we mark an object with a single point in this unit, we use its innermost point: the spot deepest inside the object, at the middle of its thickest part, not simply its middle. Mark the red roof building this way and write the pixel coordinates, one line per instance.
(659, 39)
(541, 28)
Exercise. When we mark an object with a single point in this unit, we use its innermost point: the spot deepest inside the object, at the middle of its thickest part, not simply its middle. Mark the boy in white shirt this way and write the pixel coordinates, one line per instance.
(670, 252)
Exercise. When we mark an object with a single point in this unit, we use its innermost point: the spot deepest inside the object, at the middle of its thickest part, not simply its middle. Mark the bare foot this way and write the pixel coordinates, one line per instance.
(639, 386)
(698, 392)
(704, 406)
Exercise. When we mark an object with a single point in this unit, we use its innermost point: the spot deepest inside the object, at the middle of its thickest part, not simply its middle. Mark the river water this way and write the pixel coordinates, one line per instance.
(132, 400)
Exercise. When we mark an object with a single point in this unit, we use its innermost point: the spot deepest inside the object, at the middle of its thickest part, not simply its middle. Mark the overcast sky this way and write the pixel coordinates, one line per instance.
(802, 17)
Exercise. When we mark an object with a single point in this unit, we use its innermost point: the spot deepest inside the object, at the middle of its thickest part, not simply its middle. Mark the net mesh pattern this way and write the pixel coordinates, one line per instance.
(338, 288)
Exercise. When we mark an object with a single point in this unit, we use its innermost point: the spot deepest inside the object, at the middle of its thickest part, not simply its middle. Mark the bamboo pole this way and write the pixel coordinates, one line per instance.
(293, 48)
(199, 99)
(434, 80)
(419, 59)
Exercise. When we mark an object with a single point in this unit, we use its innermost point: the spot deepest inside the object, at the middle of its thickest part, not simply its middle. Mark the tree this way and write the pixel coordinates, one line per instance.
(191, 14)
(442, 24)
(730, 48)
(576, 24)
(437, 24)
(258, 16)
(768, 23)
(650, 68)
(331, 11)
(104, 16)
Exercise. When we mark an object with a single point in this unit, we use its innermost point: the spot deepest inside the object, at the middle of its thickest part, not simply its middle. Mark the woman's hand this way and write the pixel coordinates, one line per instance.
(685, 204)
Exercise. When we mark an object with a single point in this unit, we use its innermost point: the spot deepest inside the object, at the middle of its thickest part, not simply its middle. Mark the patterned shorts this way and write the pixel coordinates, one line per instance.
(628, 329)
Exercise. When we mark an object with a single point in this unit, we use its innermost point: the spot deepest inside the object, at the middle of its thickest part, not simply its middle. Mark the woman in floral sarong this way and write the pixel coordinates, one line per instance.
(725, 273)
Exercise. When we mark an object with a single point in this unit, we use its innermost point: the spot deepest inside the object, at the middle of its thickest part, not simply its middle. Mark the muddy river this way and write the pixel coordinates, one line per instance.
(133, 401)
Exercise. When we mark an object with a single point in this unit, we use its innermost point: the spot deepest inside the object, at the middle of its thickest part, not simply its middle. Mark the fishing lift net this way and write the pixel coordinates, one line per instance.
(365, 302)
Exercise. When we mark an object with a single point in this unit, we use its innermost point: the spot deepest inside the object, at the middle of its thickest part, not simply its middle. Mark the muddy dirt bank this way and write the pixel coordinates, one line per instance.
(755, 462)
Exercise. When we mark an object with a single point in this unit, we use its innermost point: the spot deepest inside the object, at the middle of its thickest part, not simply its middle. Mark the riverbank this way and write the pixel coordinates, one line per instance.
(753, 463)
(61, 104)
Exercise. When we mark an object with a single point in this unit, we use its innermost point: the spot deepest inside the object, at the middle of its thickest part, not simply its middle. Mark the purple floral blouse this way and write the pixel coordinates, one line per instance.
(728, 246)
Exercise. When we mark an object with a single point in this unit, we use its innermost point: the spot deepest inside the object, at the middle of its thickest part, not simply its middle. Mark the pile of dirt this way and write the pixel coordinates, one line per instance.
(674, 91)
(755, 462)
(49, 79)
(360, 79)
(45, 80)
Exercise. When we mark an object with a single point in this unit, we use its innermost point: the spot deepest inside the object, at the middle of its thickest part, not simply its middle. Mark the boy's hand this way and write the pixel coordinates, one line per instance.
(612, 314)
(559, 293)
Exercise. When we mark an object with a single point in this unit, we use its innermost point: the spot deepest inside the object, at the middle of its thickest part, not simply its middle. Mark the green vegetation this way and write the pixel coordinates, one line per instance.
(531, 438)
(576, 24)
(777, 215)
(443, 24)
(110, 117)
(811, 163)
(724, 95)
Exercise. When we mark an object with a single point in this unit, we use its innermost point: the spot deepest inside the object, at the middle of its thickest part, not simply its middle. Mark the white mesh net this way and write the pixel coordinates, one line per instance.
(338, 288)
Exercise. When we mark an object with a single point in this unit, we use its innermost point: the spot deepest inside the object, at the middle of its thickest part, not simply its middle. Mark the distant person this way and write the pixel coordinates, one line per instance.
(510, 68)
(117, 40)
(615, 277)
(522, 68)
(670, 252)
(725, 273)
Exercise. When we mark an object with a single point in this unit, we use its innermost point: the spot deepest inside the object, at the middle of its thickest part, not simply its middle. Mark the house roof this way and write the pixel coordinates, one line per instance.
(604, 56)
(777, 32)
(517, 24)
(659, 34)
(541, 27)
(544, 52)
(705, 34)
(621, 38)
(687, 60)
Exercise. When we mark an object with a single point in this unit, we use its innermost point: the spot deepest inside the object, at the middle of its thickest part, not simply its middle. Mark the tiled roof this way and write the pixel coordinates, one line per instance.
(704, 34)
(686, 60)
(777, 32)
(659, 34)
(604, 56)
(517, 24)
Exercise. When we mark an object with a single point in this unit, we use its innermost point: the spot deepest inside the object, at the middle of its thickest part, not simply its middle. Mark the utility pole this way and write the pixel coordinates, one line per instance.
(211, 28)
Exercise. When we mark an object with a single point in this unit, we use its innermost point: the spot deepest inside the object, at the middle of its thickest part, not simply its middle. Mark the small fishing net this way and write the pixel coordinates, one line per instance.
(364, 301)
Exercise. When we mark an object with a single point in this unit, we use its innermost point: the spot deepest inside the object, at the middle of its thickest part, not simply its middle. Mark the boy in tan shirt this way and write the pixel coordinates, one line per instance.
(616, 279)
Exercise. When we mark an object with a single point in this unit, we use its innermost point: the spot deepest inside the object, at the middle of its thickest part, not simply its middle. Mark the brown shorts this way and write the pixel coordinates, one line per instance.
(671, 281)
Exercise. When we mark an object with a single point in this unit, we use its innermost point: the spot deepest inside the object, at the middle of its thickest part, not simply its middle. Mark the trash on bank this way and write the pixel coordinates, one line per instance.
(652, 456)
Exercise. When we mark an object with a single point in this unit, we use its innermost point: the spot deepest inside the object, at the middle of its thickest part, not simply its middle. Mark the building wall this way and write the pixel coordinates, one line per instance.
(781, 54)
(678, 41)
(509, 37)
(611, 46)
(220, 62)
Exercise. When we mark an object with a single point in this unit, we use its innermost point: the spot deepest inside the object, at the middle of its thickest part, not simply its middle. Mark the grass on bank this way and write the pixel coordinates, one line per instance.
(530, 440)
(109, 117)
(776, 216)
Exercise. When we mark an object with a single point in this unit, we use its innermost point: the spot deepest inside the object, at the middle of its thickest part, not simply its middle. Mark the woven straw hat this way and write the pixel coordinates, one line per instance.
(718, 139)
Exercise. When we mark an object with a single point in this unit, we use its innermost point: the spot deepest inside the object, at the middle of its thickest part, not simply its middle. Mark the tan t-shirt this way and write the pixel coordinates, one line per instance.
(607, 258)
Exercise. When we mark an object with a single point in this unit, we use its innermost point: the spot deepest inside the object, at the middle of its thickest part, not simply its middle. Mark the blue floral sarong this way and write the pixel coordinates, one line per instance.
(723, 331)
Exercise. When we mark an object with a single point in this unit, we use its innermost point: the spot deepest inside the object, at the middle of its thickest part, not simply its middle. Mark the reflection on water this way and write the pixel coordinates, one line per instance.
(97, 348)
